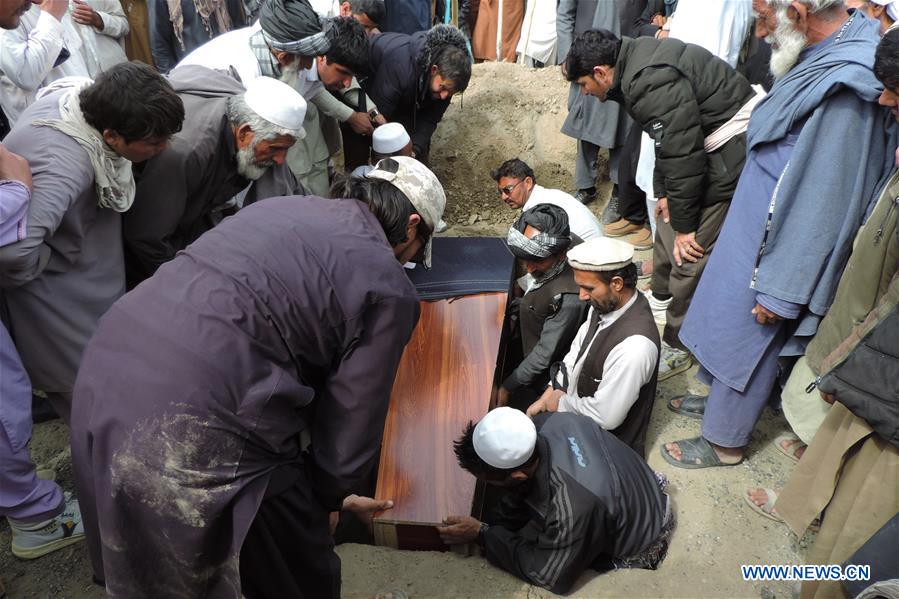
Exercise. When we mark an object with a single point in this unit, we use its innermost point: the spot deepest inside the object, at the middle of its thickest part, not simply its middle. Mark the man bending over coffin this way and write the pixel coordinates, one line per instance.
(610, 372)
(550, 311)
(231, 138)
(187, 451)
(69, 269)
(576, 498)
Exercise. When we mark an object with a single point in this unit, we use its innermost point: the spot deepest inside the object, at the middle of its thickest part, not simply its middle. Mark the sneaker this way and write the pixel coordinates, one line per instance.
(620, 228)
(641, 240)
(585, 196)
(610, 214)
(673, 361)
(658, 307)
(441, 226)
(32, 540)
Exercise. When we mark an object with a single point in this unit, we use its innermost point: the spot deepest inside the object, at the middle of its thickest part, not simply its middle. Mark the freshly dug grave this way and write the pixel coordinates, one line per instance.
(508, 111)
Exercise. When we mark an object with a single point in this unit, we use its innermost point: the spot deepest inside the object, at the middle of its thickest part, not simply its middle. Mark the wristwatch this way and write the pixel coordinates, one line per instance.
(373, 113)
(481, 532)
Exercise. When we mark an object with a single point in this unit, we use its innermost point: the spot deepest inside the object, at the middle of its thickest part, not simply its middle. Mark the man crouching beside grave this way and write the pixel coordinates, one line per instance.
(577, 498)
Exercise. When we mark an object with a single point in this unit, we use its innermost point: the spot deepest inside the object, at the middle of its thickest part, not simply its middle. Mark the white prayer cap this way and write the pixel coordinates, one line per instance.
(601, 253)
(389, 138)
(277, 102)
(420, 186)
(892, 7)
(505, 438)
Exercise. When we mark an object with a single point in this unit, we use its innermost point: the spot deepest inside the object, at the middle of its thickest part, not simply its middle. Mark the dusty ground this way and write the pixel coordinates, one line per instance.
(511, 111)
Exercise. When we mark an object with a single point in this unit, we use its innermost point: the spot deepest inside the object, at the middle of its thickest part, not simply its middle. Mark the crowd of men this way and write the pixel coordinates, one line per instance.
(218, 316)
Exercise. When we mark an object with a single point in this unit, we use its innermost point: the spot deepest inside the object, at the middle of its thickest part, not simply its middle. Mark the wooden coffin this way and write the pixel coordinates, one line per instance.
(447, 377)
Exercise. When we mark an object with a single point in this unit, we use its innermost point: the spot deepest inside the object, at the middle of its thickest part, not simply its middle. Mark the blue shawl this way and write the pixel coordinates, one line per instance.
(843, 155)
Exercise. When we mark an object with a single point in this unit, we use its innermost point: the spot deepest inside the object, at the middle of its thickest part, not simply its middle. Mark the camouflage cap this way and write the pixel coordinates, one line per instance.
(421, 187)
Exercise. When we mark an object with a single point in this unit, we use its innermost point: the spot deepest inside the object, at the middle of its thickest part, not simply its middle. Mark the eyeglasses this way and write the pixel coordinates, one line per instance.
(507, 190)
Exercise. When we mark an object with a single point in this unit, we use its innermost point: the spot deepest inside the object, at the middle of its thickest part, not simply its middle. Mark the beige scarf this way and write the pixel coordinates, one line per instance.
(205, 8)
(112, 173)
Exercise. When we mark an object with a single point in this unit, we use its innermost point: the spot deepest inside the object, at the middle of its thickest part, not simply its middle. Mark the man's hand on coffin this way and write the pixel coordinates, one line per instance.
(548, 402)
(459, 530)
(365, 507)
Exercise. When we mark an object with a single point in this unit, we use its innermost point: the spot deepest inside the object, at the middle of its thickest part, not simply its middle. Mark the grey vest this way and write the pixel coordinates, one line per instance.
(542, 303)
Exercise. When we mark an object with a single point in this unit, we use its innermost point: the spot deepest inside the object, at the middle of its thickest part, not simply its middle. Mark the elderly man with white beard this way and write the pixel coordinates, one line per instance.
(232, 139)
(795, 212)
(291, 43)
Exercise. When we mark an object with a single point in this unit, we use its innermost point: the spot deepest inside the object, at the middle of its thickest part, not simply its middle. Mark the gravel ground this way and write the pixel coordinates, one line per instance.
(512, 111)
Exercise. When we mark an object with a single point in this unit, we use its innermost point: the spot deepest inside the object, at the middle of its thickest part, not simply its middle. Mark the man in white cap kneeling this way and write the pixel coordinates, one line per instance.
(577, 498)
(233, 138)
(610, 372)
(388, 140)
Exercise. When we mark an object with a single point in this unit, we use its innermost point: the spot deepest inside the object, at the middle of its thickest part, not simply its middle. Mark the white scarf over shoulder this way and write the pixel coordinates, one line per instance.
(112, 173)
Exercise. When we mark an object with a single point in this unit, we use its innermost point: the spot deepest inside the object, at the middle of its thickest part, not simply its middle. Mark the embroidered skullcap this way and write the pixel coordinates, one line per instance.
(505, 438)
(278, 103)
(389, 138)
(601, 254)
(420, 186)
(554, 235)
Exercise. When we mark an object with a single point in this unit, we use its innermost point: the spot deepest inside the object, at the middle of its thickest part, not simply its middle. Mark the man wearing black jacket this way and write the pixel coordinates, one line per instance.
(578, 498)
(412, 80)
(682, 96)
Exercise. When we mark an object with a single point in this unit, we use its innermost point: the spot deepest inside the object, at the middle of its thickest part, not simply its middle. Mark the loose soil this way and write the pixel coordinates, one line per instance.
(512, 111)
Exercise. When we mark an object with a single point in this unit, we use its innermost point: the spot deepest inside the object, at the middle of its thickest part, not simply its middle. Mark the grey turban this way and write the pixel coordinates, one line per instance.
(293, 26)
(554, 236)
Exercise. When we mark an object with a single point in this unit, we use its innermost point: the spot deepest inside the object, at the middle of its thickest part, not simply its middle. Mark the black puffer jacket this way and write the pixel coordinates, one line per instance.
(864, 375)
(399, 84)
(680, 93)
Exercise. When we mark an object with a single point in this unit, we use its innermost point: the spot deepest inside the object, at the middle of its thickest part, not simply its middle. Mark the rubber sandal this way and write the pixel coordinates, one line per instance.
(692, 406)
(695, 453)
(767, 508)
(796, 444)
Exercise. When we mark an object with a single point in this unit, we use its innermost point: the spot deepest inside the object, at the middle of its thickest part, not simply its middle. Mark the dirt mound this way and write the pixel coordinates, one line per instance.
(508, 111)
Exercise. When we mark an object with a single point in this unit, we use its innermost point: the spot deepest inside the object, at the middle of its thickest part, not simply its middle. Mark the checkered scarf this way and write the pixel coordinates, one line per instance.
(538, 247)
(268, 66)
(554, 236)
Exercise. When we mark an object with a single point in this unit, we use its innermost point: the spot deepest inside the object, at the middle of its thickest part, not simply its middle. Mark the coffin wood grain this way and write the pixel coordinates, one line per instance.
(446, 378)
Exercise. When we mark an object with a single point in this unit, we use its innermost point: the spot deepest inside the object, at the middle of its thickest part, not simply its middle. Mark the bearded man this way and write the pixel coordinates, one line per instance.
(550, 312)
(291, 43)
(231, 140)
(610, 372)
(795, 212)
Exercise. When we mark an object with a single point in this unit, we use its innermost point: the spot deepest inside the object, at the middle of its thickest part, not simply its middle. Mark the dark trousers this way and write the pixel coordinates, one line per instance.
(289, 552)
(680, 281)
(631, 199)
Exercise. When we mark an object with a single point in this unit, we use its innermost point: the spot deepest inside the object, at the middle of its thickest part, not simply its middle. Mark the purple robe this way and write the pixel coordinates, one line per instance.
(290, 316)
